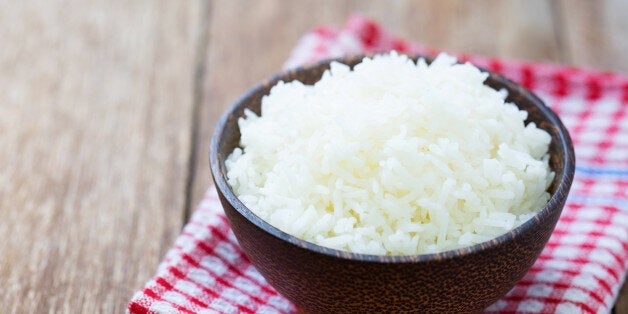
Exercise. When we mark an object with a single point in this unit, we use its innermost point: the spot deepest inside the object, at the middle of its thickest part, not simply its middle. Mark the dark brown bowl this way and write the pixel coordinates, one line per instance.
(323, 280)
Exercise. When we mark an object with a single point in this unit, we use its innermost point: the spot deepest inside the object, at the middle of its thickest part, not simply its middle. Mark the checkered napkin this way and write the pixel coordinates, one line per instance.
(580, 270)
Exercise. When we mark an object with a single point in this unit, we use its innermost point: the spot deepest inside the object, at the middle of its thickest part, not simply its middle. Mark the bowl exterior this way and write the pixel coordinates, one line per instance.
(319, 283)
(321, 280)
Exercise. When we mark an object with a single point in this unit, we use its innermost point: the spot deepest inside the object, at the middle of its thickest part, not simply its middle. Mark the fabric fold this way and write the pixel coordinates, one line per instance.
(580, 270)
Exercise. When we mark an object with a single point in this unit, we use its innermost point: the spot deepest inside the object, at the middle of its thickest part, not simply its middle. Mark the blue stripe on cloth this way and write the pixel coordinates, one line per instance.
(602, 171)
(598, 200)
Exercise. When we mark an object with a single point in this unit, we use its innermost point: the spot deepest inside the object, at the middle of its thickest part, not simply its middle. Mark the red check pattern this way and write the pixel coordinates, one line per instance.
(580, 270)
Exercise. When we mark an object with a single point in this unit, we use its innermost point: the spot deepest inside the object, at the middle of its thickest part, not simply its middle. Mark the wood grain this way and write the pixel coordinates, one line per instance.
(621, 304)
(594, 33)
(509, 29)
(96, 103)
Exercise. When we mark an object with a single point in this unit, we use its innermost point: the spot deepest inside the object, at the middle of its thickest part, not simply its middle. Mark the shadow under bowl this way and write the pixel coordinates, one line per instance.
(322, 280)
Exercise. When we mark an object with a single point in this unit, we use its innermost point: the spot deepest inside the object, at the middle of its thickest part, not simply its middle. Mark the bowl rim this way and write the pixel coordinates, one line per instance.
(552, 205)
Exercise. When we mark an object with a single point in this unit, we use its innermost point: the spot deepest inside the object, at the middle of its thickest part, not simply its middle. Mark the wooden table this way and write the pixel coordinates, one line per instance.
(106, 109)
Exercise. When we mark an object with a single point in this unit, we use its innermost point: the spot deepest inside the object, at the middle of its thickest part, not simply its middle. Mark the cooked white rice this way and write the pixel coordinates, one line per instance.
(391, 158)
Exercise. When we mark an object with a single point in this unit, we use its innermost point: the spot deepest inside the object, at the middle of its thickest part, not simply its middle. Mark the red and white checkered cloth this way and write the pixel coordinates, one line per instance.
(580, 270)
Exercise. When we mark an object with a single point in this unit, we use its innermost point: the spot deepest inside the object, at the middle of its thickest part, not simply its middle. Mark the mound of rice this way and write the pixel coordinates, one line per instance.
(391, 158)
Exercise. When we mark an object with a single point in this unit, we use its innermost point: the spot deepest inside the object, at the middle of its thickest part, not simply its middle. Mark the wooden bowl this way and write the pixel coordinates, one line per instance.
(323, 280)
